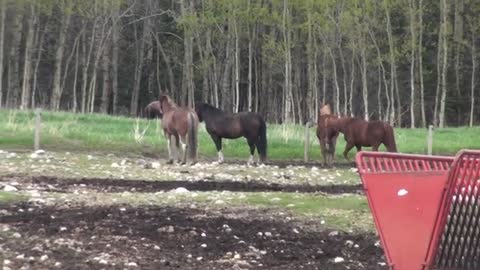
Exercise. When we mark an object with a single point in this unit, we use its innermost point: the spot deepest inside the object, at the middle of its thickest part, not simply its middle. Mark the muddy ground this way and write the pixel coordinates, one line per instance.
(118, 237)
(56, 184)
(75, 216)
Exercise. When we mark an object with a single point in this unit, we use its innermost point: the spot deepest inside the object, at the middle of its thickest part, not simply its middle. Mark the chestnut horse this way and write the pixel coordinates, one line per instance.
(180, 126)
(152, 110)
(358, 132)
(326, 136)
(220, 124)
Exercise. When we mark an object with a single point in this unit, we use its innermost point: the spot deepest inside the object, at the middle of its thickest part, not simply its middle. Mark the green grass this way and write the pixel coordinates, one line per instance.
(95, 132)
(9, 197)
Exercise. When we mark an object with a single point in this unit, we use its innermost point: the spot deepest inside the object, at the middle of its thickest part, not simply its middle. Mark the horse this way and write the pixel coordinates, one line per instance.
(180, 126)
(152, 110)
(327, 137)
(359, 133)
(220, 124)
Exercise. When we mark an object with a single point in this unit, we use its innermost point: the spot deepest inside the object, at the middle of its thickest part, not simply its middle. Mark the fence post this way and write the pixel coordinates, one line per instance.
(36, 140)
(306, 142)
(430, 140)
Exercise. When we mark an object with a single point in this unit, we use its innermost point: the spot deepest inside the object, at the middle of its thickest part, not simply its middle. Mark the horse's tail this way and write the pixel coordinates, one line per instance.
(192, 134)
(262, 141)
(390, 138)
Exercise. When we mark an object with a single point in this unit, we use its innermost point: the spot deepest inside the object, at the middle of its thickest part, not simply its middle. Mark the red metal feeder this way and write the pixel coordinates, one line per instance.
(426, 208)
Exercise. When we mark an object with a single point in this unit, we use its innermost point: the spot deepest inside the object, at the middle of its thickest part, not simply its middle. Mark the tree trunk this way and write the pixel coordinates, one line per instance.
(237, 67)
(39, 47)
(364, 81)
(412, 61)
(138, 69)
(420, 62)
(250, 68)
(393, 68)
(352, 81)
(75, 80)
(13, 62)
(2, 45)
(336, 93)
(288, 98)
(57, 90)
(27, 66)
(106, 80)
(444, 26)
(115, 40)
(226, 93)
(458, 42)
(474, 70)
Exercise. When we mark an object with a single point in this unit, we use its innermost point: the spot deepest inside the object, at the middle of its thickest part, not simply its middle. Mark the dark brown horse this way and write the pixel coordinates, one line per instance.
(326, 136)
(220, 124)
(358, 132)
(180, 126)
(152, 110)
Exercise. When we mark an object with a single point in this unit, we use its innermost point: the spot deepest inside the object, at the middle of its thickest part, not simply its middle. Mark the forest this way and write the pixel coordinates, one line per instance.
(411, 63)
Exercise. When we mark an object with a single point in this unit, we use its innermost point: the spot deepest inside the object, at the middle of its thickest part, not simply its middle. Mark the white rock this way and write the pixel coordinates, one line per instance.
(296, 231)
(102, 261)
(134, 264)
(259, 234)
(40, 152)
(9, 188)
(16, 235)
(349, 243)
(115, 165)
(203, 235)
(237, 256)
(58, 264)
(155, 165)
(199, 258)
(62, 229)
(203, 245)
(268, 234)
(156, 247)
(89, 157)
(181, 190)
(333, 233)
(20, 257)
(44, 258)
(338, 260)
(219, 202)
(382, 264)
(11, 155)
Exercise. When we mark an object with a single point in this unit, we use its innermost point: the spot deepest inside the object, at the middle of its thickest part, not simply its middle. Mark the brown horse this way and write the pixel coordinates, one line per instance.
(358, 132)
(152, 110)
(220, 124)
(326, 136)
(180, 126)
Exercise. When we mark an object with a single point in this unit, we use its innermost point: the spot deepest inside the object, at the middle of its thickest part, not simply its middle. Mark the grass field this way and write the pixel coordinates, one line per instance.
(94, 132)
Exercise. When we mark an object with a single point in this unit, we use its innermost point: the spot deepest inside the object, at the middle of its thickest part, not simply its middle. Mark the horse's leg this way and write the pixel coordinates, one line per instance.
(183, 149)
(359, 147)
(251, 144)
(178, 149)
(218, 144)
(348, 147)
(170, 149)
(324, 154)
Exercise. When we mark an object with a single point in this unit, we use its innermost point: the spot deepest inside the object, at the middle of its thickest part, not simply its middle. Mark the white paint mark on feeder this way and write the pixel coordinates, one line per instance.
(402, 192)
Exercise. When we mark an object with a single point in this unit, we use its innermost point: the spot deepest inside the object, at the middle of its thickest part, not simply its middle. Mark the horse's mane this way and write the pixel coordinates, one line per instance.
(209, 108)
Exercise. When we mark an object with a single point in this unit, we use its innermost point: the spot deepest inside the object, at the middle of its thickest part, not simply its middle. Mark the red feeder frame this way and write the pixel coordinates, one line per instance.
(426, 208)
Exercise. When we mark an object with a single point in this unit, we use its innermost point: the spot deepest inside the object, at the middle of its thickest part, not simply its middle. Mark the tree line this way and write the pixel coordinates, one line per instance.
(409, 62)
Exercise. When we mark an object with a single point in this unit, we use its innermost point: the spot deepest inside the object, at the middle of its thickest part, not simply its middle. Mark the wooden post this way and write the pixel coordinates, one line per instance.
(36, 140)
(306, 142)
(430, 140)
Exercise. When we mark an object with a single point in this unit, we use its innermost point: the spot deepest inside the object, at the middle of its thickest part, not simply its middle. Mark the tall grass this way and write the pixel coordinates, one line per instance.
(62, 131)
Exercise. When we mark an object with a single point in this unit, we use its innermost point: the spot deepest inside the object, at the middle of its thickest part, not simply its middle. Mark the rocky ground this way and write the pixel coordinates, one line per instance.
(77, 211)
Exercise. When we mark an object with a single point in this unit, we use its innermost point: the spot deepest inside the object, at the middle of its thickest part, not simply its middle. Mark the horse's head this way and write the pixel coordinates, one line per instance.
(326, 110)
(166, 104)
(199, 107)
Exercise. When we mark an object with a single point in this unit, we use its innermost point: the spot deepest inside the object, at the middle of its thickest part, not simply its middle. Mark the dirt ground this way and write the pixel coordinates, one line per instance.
(118, 237)
(75, 216)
